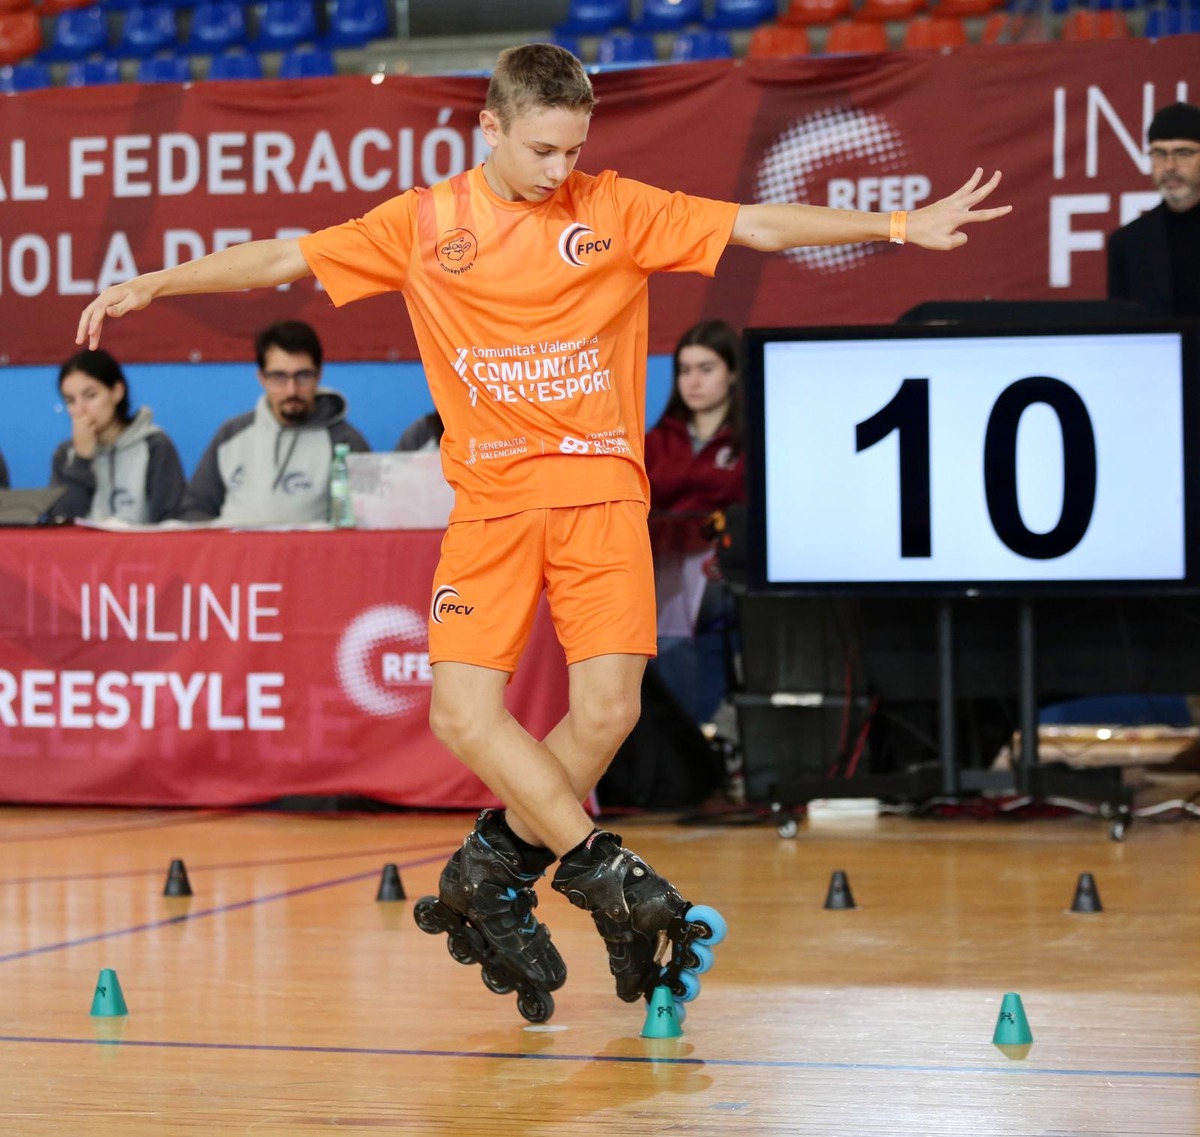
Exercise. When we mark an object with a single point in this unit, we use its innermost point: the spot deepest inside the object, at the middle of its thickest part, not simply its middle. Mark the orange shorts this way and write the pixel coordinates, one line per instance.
(593, 561)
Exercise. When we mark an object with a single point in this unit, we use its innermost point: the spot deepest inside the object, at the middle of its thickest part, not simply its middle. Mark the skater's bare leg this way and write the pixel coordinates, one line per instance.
(541, 784)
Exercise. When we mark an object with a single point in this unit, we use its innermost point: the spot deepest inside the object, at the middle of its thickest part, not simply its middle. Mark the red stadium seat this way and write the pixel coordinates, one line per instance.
(889, 9)
(20, 35)
(15, 6)
(1101, 24)
(934, 32)
(1006, 27)
(801, 13)
(770, 41)
(849, 36)
(966, 7)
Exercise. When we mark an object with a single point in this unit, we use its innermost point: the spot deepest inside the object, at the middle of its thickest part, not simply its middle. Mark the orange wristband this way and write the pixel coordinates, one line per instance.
(899, 226)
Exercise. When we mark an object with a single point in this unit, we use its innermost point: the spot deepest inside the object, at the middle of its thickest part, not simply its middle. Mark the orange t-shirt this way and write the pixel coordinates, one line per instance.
(531, 320)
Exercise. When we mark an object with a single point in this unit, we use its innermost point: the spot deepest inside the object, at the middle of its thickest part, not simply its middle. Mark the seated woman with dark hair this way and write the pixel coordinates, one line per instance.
(696, 466)
(116, 464)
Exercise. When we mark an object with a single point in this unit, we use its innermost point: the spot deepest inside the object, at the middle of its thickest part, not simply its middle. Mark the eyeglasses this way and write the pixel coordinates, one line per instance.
(305, 378)
(1176, 154)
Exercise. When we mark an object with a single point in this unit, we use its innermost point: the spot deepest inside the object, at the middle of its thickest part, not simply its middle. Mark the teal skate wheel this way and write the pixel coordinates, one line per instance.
(680, 1011)
(689, 981)
(710, 918)
(700, 958)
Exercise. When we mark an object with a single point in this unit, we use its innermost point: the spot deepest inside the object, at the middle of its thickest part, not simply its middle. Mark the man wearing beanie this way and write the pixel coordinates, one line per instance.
(1155, 259)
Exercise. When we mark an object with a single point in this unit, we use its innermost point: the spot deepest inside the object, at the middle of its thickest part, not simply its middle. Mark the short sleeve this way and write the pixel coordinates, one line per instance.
(673, 232)
(366, 256)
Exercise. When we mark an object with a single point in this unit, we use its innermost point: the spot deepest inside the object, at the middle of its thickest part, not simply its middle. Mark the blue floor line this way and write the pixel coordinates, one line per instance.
(220, 910)
(742, 1063)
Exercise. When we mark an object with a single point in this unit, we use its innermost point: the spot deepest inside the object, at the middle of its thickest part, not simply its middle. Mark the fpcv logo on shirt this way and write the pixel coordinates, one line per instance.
(578, 241)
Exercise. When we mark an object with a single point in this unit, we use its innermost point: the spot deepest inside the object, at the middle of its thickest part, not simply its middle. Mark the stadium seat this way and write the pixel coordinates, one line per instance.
(307, 63)
(594, 18)
(888, 9)
(850, 36)
(802, 13)
(20, 36)
(1082, 24)
(692, 46)
(15, 6)
(165, 69)
(934, 32)
(1005, 27)
(626, 49)
(235, 65)
(669, 15)
(147, 30)
(284, 24)
(570, 43)
(1172, 22)
(216, 26)
(742, 13)
(771, 41)
(53, 7)
(78, 33)
(353, 23)
(24, 77)
(93, 72)
(966, 7)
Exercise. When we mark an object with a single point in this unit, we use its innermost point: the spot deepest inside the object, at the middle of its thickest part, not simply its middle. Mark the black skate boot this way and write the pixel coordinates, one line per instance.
(641, 918)
(485, 906)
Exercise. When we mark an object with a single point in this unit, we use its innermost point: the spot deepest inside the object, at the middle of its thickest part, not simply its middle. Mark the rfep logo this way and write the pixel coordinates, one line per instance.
(812, 154)
(578, 241)
(383, 661)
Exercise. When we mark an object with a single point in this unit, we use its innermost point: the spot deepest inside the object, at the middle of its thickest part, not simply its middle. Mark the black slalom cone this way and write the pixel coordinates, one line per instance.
(839, 895)
(1087, 898)
(390, 887)
(177, 880)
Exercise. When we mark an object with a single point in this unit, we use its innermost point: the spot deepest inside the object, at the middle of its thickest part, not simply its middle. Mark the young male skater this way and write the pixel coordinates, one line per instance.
(526, 283)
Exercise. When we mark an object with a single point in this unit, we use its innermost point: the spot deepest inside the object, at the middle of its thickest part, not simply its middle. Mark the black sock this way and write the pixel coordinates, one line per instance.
(523, 847)
(578, 850)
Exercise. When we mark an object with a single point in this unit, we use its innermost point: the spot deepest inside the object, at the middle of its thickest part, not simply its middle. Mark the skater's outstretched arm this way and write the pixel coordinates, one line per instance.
(772, 228)
(256, 264)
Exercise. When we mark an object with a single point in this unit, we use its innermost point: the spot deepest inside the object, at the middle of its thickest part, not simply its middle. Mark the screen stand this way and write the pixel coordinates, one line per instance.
(1027, 759)
(947, 718)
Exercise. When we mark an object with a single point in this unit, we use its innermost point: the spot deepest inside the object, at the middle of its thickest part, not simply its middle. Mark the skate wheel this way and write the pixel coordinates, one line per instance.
(424, 915)
(496, 982)
(686, 987)
(680, 1011)
(711, 919)
(536, 1006)
(699, 958)
(461, 950)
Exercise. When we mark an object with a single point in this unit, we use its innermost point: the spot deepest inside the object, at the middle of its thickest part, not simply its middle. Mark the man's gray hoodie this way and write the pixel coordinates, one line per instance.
(138, 478)
(257, 471)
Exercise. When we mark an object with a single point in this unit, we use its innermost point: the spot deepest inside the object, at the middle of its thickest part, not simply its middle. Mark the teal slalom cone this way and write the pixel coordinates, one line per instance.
(661, 1019)
(109, 999)
(1012, 1027)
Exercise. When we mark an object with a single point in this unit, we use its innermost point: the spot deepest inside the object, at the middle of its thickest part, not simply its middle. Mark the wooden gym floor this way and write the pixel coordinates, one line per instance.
(282, 999)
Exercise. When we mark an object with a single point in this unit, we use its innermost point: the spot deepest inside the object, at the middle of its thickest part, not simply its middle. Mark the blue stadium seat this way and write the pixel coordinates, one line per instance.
(1172, 22)
(284, 24)
(669, 15)
(594, 18)
(571, 43)
(624, 49)
(147, 30)
(307, 63)
(692, 46)
(78, 32)
(165, 69)
(93, 72)
(742, 13)
(235, 65)
(24, 77)
(216, 25)
(353, 23)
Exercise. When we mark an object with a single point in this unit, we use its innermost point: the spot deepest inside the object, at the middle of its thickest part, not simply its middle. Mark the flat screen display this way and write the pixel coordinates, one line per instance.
(946, 459)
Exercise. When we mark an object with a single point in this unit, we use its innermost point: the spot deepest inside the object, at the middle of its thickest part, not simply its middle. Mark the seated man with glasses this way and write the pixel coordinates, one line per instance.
(270, 466)
(1155, 259)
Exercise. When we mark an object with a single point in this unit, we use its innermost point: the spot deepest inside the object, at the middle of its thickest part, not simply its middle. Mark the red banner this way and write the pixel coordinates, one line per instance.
(98, 184)
(223, 668)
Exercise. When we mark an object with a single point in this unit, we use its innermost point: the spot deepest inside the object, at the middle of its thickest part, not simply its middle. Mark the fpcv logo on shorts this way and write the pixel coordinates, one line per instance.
(578, 241)
(446, 602)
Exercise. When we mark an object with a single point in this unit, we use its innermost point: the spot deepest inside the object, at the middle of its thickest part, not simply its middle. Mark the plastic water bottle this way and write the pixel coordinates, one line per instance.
(341, 510)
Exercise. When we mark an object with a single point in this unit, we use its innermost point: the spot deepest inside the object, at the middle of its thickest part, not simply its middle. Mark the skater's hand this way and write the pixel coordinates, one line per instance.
(115, 301)
(936, 226)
